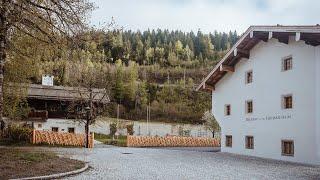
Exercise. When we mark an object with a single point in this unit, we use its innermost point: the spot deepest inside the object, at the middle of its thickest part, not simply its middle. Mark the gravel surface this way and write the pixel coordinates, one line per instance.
(110, 162)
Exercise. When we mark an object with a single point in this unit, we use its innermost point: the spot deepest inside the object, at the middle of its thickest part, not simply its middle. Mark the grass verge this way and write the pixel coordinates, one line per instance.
(26, 163)
(107, 139)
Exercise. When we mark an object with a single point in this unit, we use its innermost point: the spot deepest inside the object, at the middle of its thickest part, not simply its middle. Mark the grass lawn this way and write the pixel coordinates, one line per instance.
(24, 163)
(107, 139)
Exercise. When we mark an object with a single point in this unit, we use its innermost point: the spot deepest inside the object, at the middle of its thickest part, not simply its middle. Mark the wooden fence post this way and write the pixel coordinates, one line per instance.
(33, 136)
(92, 140)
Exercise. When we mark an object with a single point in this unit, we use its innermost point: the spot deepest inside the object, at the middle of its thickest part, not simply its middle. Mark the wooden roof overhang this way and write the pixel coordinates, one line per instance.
(253, 35)
(61, 93)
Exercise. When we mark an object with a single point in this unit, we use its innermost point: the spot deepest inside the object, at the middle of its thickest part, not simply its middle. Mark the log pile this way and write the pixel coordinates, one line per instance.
(171, 141)
(60, 138)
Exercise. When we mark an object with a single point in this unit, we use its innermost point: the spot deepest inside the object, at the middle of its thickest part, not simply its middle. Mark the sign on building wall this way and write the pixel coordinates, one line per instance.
(47, 80)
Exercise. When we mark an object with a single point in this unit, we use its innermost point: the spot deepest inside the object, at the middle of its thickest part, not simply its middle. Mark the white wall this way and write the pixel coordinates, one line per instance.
(140, 128)
(317, 54)
(269, 84)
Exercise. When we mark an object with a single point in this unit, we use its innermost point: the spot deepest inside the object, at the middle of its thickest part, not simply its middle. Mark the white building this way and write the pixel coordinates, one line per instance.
(266, 94)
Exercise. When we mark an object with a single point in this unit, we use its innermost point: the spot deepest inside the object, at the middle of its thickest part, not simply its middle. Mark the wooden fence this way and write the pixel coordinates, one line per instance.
(171, 141)
(61, 138)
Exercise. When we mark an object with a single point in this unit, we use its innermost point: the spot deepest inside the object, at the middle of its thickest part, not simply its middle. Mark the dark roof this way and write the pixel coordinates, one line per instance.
(36, 91)
(253, 35)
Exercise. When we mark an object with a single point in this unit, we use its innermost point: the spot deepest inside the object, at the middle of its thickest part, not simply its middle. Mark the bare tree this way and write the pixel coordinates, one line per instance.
(47, 21)
(91, 95)
(210, 123)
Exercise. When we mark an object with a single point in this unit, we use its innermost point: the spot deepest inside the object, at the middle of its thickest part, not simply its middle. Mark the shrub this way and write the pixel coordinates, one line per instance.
(130, 130)
(113, 129)
(18, 133)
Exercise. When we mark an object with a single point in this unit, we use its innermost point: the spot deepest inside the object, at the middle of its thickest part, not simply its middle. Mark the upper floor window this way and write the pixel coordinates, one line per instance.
(227, 110)
(249, 106)
(287, 101)
(287, 63)
(249, 75)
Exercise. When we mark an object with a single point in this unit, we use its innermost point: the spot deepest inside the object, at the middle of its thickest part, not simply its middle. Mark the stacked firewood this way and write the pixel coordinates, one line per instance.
(171, 141)
(60, 138)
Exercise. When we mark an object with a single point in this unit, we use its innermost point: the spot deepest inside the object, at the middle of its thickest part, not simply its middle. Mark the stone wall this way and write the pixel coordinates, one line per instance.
(57, 138)
(171, 141)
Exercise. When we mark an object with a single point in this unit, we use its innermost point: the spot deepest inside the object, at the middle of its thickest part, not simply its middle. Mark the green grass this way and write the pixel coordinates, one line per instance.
(35, 157)
(107, 139)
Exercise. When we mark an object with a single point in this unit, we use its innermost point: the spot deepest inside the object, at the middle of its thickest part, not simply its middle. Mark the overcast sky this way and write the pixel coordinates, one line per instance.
(207, 15)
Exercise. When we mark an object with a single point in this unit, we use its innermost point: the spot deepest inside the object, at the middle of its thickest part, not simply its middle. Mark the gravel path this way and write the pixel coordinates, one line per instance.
(110, 162)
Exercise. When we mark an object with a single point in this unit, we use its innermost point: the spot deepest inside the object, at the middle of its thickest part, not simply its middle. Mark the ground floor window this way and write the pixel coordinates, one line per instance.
(228, 141)
(55, 129)
(70, 130)
(287, 147)
(249, 142)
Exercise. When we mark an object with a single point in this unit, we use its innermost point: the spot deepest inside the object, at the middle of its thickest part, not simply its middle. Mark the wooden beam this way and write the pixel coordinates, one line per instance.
(251, 34)
(226, 68)
(297, 36)
(270, 35)
(244, 53)
(210, 87)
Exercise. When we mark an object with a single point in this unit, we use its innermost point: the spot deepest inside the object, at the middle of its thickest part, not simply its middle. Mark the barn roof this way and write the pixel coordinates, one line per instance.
(252, 36)
(37, 91)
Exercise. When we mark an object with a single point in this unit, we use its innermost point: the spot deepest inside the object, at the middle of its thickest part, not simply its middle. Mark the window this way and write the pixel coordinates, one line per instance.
(287, 63)
(70, 130)
(55, 129)
(249, 142)
(228, 141)
(249, 75)
(227, 110)
(39, 125)
(249, 106)
(287, 147)
(287, 102)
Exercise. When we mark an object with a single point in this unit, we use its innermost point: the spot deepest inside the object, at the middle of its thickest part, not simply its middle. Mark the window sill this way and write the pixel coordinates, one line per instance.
(289, 155)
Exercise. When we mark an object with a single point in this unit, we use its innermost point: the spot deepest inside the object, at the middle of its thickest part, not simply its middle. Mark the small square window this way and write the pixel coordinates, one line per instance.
(39, 125)
(228, 110)
(249, 142)
(287, 63)
(287, 147)
(55, 129)
(228, 141)
(287, 102)
(70, 130)
(249, 106)
(249, 77)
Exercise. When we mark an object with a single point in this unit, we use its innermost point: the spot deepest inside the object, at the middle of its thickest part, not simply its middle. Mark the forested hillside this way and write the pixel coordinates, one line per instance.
(157, 67)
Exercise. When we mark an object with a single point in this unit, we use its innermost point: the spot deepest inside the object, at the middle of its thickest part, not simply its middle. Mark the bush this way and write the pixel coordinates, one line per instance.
(18, 133)
(130, 130)
(113, 128)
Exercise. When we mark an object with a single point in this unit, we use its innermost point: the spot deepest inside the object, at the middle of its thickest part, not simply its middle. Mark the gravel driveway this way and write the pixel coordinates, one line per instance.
(110, 162)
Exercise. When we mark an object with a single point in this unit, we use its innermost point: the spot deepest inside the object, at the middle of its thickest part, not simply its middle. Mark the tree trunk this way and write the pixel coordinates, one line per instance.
(3, 43)
(87, 133)
(89, 117)
(213, 134)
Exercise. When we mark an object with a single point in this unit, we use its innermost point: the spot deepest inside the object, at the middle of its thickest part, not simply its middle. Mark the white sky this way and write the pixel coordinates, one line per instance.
(208, 15)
